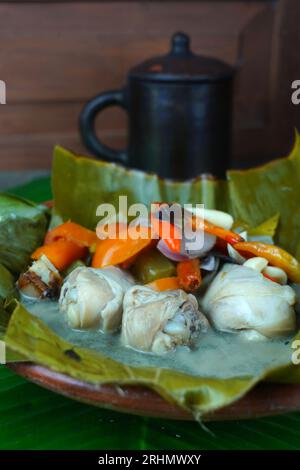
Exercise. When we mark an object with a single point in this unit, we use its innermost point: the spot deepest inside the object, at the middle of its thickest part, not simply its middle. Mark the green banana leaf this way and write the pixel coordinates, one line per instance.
(79, 185)
(264, 232)
(7, 284)
(257, 194)
(22, 227)
(253, 196)
(4, 319)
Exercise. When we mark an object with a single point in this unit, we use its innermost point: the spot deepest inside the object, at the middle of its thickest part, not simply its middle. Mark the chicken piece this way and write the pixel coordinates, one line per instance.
(93, 297)
(241, 299)
(159, 321)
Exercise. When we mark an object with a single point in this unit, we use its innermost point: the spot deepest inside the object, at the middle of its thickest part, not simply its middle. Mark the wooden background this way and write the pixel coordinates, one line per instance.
(56, 55)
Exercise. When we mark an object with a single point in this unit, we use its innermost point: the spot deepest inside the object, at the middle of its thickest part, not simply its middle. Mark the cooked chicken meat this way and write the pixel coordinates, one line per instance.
(241, 299)
(94, 297)
(160, 321)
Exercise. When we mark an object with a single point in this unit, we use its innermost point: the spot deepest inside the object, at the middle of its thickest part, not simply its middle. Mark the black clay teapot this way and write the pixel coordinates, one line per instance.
(179, 109)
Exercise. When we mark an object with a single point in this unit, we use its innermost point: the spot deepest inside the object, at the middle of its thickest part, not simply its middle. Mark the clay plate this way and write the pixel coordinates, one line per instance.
(264, 400)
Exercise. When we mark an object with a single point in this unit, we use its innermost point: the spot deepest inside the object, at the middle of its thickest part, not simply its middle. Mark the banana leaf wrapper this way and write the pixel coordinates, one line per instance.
(23, 225)
(7, 285)
(22, 228)
(252, 196)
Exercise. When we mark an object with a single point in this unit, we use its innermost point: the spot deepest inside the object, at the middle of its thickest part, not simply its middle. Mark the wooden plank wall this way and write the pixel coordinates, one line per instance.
(56, 55)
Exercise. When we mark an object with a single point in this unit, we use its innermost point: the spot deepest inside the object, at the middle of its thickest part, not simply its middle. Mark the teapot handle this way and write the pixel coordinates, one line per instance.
(87, 125)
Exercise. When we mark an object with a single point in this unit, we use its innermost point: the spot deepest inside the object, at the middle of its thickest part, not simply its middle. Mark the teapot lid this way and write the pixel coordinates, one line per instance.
(181, 65)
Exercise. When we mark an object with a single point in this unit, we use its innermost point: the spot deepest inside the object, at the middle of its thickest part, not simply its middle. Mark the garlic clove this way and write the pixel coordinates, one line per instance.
(257, 263)
(244, 235)
(278, 274)
(235, 255)
(219, 218)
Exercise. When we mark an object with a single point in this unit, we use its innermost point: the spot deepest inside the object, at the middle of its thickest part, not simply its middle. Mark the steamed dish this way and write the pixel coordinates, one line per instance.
(161, 291)
(204, 369)
(160, 321)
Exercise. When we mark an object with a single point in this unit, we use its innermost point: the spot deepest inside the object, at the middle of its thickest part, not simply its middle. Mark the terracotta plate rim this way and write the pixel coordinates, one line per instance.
(265, 399)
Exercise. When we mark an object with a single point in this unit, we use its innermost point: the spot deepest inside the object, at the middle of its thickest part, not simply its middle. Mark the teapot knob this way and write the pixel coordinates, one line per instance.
(180, 44)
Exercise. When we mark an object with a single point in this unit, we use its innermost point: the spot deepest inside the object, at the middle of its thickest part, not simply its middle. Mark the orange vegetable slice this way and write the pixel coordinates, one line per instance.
(61, 253)
(72, 232)
(165, 283)
(227, 235)
(111, 252)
